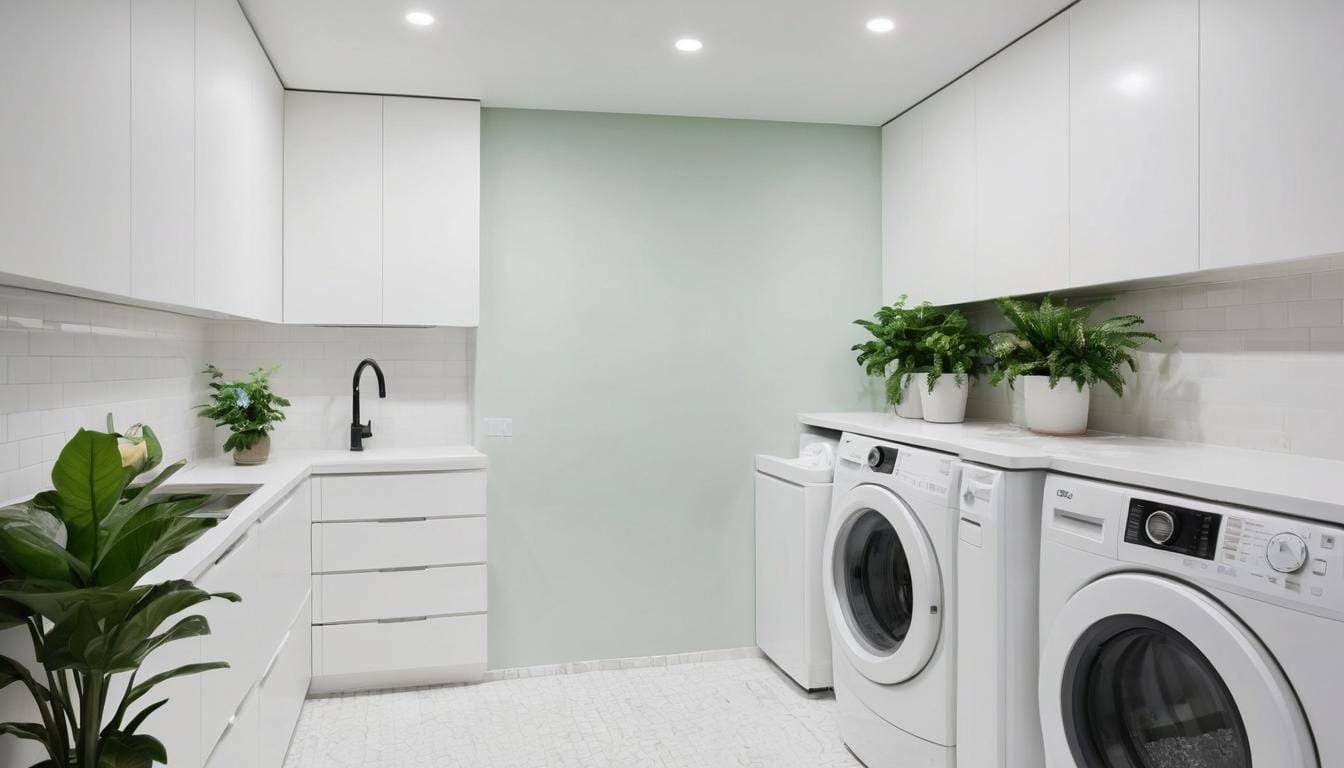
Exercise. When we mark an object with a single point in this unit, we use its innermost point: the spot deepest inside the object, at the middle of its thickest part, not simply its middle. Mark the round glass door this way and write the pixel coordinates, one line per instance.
(879, 591)
(1145, 697)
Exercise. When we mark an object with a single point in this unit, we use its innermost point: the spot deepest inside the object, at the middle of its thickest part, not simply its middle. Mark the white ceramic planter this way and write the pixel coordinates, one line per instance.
(946, 404)
(1059, 411)
(911, 406)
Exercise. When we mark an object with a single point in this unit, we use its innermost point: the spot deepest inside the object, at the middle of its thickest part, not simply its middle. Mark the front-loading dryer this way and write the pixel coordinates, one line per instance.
(1178, 632)
(888, 575)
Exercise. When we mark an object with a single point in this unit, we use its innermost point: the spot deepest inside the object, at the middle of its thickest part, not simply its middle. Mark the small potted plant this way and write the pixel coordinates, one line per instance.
(249, 409)
(895, 352)
(956, 355)
(71, 562)
(1053, 342)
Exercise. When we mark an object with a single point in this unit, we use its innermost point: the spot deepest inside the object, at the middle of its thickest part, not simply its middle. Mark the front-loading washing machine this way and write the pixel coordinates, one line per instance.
(1178, 632)
(888, 575)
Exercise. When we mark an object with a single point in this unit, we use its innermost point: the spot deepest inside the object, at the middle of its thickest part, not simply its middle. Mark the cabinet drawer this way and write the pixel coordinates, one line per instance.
(397, 544)
(399, 594)
(238, 746)
(389, 654)
(413, 494)
(283, 690)
(232, 638)
(286, 565)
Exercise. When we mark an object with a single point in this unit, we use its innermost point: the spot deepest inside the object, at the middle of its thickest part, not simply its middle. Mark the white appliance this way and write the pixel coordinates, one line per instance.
(1181, 632)
(998, 575)
(793, 503)
(889, 582)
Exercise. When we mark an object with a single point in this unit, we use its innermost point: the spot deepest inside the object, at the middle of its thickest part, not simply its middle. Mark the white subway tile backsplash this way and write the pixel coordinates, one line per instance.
(1255, 362)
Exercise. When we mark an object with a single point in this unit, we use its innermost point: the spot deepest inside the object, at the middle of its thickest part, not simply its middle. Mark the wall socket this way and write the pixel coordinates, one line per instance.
(498, 427)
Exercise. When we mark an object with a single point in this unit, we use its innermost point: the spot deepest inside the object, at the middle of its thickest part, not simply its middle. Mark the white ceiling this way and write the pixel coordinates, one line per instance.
(801, 60)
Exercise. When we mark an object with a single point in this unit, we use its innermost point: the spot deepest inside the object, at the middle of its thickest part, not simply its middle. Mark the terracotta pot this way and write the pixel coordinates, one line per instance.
(257, 454)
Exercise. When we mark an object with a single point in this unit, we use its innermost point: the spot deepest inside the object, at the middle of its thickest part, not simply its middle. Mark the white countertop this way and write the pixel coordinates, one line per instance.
(280, 475)
(1296, 485)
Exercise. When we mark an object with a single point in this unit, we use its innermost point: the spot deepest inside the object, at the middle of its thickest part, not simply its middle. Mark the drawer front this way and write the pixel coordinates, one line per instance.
(398, 544)
(284, 689)
(286, 564)
(399, 594)
(412, 494)
(378, 647)
(238, 746)
(232, 638)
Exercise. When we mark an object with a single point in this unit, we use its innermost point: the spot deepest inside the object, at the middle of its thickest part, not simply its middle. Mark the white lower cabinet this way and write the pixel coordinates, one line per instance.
(239, 746)
(398, 601)
(178, 723)
(283, 689)
(285, 566)
(232, 638)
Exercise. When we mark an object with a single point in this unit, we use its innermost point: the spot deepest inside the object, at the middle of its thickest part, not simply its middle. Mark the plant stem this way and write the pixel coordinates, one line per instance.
(58, 741)
(90, 721)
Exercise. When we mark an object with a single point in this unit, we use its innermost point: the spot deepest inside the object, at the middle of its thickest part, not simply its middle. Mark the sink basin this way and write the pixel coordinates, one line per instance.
(224, 498)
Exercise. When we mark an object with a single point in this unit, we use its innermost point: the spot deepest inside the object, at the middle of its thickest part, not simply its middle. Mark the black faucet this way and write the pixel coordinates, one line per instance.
(360, 431)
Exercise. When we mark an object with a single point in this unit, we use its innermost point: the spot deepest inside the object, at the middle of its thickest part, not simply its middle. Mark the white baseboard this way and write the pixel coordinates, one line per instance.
(633, 662)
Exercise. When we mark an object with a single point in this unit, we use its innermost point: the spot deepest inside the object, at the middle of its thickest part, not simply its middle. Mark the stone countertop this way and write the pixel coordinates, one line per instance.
(280, 475)
(1302, 486)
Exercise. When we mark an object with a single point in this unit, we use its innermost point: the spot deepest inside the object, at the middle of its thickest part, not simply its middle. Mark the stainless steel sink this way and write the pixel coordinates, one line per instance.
(224, 498)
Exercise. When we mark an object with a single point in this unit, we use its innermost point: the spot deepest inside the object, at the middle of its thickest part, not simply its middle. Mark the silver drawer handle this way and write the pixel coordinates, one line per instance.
(403, 621)
(405, 520)
(232, 548)
(404, 569)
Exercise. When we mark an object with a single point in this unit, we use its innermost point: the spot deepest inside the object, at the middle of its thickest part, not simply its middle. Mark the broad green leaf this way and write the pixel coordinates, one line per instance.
(29, 731)
(156, 532)
(178, 534)
(191, 626)
(190, 669)
(143, 715)
(88, 477)
(126, 750)
(153, 609)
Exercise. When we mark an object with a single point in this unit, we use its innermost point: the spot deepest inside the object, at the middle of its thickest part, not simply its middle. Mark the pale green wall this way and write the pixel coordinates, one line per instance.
(659, 297)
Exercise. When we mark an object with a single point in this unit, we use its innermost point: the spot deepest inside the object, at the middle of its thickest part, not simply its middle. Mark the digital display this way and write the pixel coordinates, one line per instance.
(1193, 532)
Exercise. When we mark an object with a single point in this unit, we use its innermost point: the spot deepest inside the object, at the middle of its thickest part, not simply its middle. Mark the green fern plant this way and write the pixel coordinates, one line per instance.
(248, 408)
(956, 349)
(898, 335)
(1059, 341)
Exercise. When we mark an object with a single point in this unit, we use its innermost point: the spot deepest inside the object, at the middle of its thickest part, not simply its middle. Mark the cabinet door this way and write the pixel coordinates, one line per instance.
(948, 186)
(65, 144)
(223, 157)
(163, 151)
(902, 236)
(1133, 139)
(234, 628)
(1022, 165)
(178, 723)
(333, 208)
(1271, 121)
(265, 289)
(286, 565)
(240, 745)
(431, 212)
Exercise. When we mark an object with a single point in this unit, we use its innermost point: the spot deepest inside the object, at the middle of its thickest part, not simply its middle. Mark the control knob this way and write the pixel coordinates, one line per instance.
(1160, 527)
(877, 457)
(1286, 552)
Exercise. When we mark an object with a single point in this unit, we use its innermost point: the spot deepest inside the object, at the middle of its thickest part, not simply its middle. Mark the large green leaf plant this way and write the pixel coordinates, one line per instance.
(71, 562)
(1057, 340)
(897, 348)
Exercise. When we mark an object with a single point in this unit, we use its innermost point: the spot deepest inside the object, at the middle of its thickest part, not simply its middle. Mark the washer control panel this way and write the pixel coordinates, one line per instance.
(1279, 558)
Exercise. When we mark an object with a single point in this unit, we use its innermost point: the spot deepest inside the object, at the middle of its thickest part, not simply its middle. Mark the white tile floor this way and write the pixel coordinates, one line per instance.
(739, 713)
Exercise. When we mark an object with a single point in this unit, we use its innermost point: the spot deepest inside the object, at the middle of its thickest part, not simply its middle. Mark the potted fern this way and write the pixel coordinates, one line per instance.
(71, 560)
(249, 409)
(1052, 343)
(956, 355)
(895, 353)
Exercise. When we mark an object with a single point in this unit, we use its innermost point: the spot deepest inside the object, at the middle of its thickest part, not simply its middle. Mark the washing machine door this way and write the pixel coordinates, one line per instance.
(883, 589)
(1142, 671)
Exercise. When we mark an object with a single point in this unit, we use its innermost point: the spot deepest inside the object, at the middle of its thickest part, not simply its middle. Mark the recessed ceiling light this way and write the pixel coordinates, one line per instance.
(881, 25)
(419, 18)
(689, 45)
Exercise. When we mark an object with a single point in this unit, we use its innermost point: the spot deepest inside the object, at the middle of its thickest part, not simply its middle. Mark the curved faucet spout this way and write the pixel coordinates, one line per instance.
(360, 431)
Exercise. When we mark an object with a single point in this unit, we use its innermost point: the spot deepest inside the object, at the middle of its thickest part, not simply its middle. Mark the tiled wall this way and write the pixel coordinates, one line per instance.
(428, 373)
(1252, 359)
(66, 362)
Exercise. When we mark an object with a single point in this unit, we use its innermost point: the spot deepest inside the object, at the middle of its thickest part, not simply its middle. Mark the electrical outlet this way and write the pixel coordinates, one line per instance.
(498, 427)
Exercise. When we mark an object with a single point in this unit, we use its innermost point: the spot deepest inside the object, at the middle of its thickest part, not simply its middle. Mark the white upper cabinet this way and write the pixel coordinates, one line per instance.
(902, 170)
(1271, 127)
(948, 191)
(1022, 165)
(163, 151)
(431, 211)
(65, 143)
(223, 154)
(382, 210)
(333, 208)
(1134, 139)
(267, 165)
